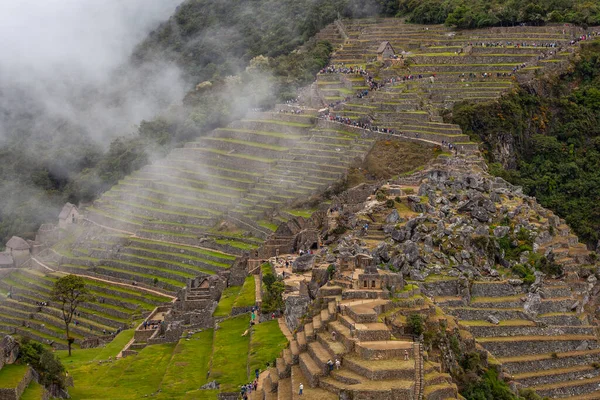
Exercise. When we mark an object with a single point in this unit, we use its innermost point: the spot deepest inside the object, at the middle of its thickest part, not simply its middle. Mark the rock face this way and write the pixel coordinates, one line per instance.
(295, 308)
(303, 263)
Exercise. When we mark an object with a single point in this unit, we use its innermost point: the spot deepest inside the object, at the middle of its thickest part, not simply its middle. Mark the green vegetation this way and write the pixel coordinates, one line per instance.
(41, 359)
(247, 296)
(229, 366)
(554, 137)
(33, 392)
(272, 288)
(70, 291)
(480, 13)
(11, 375)
(225, 305)
(189, 365)
(267, 343)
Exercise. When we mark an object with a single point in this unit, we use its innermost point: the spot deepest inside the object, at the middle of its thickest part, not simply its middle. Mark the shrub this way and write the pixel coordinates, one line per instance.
(389, 203)
(415, 323)
(380, 196)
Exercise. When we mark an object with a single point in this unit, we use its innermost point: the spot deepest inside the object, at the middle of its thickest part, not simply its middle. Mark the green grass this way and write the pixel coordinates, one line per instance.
(189, 365)
(132, 377)
(226, 302)
(84, 356)
(269, 225)
(247, 143)
(272, 121)
(236, 244)
(247, 296)
(267, 343)
(229, 363)
(263, 133)
(301, 213)
(33, 392)
(11, 375)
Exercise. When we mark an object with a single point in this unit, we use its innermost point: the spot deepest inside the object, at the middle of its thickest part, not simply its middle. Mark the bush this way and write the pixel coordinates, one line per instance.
(389, 203)
(380, 196)
(43, 361)
(415, 323)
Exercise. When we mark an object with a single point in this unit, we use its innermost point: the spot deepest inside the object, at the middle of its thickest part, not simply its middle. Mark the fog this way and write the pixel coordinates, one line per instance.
(67, 61)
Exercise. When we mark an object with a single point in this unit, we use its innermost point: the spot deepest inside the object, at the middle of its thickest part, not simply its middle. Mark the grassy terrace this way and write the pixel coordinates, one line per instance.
(198, 250)
(229, 368)
(193, 354)
(200, 259)
(226, 153)
(11, 375)
(267, 343)
(34, 391)
(176, 283)
(199, 164)
(247, 143)
(277, 122)
(262, 133)
(196, 182)
(228, 297)
(247, 296)
(146, 184)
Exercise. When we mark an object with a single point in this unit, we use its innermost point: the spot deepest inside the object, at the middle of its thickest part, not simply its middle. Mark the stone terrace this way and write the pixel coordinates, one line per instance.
(458, 59)
(545, 344)
(372, 359)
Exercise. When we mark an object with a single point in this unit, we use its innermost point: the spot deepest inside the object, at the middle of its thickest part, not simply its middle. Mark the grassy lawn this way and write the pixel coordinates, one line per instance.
(133, 377)
(269, 225)
(267, 343)
(33, 392)
(247, 296)
(84, 356)
(11, 375)
(189, 365)
(226, 302)
(229, 363)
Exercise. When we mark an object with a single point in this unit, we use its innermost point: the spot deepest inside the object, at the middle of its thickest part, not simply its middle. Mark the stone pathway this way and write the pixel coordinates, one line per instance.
(257, 290)
(284, 329)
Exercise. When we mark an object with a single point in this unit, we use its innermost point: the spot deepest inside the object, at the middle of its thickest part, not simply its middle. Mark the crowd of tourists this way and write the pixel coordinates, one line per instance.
(343, 69)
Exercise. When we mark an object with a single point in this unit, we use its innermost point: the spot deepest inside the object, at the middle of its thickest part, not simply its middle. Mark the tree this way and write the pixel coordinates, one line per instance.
(70, 291)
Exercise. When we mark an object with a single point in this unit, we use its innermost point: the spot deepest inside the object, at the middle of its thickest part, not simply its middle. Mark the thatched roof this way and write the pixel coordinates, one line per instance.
(64, 213)
(17, 243)
(382, 47)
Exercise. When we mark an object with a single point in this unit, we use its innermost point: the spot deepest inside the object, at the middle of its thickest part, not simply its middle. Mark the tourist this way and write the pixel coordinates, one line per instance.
(301, 389)
(337, 363)
(330, 365)
(256, 372)
(405, 355)
(273, 316)
(333, 335)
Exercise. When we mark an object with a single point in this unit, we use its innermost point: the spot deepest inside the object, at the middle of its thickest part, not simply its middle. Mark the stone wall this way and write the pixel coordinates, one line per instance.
(295, 308)
(15, 393)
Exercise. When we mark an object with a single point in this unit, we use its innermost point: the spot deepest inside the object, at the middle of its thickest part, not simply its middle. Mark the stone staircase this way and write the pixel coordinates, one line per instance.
(372, 362)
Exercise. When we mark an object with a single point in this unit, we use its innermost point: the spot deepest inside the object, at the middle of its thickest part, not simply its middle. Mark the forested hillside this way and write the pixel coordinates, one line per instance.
(546, 137)
(482, 13)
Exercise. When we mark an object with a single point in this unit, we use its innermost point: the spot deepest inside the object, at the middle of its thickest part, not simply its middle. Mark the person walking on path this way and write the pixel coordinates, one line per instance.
(301, 389)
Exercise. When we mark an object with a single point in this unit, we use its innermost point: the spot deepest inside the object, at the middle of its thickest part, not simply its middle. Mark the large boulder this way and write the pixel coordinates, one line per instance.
(303, 263)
